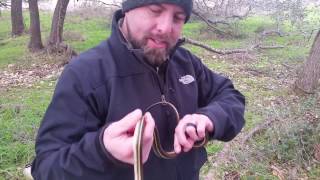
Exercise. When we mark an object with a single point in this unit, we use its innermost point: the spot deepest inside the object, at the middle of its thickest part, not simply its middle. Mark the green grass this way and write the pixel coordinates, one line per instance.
(191, 30)
(267, 97)
(94, 30)
(21, 110)
(13, 49)
(251, 24)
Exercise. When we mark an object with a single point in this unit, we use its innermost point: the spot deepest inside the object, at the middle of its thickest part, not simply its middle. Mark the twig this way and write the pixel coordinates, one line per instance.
(287, 66)
(223, 52)
(269, 47)
(3, 4)
(231, 51)
(207, 22)
(256, 130)
(109, 4)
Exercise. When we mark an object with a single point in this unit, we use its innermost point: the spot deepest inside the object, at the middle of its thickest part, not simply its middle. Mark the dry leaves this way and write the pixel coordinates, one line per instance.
(233, 175)
(280, 173)
(14, 76)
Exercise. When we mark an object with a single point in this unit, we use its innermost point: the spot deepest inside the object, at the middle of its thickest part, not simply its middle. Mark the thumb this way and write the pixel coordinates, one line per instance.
(129, 122)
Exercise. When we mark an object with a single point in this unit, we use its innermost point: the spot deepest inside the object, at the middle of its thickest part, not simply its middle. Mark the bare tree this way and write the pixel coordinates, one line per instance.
(308, 79)
(35, 42)
(55, 39)
(214, 12)
(16, 18)
(3, 4)
(222, 11)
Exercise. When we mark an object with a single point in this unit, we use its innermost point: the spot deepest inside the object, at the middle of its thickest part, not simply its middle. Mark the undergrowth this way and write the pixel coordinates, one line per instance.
(284, 148)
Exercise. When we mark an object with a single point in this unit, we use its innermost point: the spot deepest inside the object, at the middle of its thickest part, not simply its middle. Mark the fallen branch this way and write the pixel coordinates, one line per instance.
(256, 130)
(218, 51)
(225, 52)
(287, 66)
(269, 47)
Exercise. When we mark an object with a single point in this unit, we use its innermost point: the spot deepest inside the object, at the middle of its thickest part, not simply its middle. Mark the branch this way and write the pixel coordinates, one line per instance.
(3, 4)
(225, 52)
(219, 22)
(268, 47)
(108, 4)
(257, 129)
(218, 51)
(207, 22)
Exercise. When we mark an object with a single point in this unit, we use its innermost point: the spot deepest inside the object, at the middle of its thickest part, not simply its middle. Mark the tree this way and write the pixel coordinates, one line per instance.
(35, 42)
(214, 12)
(309, 77)
(16, 18)
(55, 39)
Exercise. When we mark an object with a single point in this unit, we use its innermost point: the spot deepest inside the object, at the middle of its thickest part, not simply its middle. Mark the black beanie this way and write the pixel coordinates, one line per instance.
(131, 4)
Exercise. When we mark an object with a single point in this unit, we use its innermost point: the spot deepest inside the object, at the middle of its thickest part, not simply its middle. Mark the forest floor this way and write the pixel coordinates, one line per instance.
(280, 140)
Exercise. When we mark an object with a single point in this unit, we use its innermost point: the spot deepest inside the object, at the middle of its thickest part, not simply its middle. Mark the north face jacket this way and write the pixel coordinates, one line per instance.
(107, 82)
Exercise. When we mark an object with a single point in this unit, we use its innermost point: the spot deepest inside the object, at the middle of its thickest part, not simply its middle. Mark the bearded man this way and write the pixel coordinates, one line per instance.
(86, 132)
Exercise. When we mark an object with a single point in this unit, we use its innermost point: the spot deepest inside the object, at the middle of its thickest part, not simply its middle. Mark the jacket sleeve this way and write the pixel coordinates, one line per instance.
(67, 144)
(220, 101)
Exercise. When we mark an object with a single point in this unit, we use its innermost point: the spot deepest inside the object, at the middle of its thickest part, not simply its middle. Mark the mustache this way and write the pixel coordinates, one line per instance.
(162, 38)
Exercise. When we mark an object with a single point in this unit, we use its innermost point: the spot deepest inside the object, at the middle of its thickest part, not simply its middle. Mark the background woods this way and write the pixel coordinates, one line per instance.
(270, 49)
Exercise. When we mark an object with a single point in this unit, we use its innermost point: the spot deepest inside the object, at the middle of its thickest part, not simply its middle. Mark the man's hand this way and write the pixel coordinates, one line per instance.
(118, 137)
(191, 128)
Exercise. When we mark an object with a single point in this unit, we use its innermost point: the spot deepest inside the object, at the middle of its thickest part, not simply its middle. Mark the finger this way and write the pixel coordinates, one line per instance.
(209, 125)
(180, 132)
(128, 122)
(177, 147)
(201, 129)
(189, 147)
(181, 135)
(149, 127)
(191, 132)
(207, 121)
(147, 136)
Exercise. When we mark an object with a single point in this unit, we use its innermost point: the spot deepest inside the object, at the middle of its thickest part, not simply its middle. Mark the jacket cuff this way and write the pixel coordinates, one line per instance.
(105, 152)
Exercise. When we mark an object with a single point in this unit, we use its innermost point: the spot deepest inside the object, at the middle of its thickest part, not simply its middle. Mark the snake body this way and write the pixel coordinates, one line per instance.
(157, 148)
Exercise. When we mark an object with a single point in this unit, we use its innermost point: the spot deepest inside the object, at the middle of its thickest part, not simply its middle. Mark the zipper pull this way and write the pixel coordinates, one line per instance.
(163, 98)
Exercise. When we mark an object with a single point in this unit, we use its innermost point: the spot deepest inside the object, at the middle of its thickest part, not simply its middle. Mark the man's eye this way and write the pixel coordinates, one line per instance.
(180, 18)
(155, 9)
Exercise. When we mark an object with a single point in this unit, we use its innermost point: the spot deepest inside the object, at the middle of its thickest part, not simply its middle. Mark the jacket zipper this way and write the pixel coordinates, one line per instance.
(161, 85)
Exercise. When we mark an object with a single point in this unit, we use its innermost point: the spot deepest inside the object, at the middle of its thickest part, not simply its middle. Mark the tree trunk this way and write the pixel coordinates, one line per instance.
(309, 77)
(35, 43)
(16, 18)
(55, 39)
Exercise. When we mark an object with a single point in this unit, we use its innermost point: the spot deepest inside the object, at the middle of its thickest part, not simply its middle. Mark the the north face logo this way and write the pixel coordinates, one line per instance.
(187, 79)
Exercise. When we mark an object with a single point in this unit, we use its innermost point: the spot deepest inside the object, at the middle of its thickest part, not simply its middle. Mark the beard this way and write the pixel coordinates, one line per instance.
(154, 56)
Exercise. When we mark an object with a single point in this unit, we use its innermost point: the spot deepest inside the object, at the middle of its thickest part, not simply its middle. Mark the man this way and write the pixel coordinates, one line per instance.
(87, 131)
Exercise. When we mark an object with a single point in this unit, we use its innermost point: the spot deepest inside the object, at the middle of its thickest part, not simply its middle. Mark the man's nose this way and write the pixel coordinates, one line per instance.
(165, 24)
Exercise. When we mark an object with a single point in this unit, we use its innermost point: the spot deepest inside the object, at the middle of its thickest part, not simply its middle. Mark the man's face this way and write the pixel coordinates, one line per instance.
(154, 28)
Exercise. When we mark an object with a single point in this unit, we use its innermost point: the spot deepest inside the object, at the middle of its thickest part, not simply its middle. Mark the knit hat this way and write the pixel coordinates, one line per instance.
(131, 4)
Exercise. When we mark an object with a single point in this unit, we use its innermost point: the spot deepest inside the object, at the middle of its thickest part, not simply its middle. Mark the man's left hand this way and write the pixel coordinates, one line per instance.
(191, 128)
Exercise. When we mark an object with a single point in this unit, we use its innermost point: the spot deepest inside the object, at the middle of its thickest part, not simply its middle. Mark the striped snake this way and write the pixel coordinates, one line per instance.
(157, 148)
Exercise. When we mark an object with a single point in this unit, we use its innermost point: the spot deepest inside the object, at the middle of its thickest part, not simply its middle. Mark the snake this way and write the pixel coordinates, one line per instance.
(156, 146)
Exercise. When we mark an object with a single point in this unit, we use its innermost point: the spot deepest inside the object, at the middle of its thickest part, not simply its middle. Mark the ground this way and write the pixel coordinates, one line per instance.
(279, 141)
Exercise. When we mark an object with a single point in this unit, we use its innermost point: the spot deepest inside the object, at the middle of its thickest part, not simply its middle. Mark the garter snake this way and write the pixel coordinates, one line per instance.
(157, 148)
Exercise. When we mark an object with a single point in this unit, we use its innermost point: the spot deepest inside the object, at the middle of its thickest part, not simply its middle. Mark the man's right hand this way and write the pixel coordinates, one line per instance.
(118, 137)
